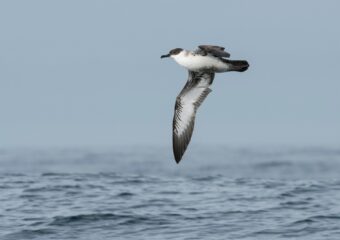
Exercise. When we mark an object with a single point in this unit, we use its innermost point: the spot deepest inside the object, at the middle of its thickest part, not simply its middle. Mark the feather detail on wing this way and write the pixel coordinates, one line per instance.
(213, 50)
(187, 102)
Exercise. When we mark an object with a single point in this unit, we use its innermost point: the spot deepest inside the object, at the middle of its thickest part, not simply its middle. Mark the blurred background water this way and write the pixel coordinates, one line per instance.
(216, 192)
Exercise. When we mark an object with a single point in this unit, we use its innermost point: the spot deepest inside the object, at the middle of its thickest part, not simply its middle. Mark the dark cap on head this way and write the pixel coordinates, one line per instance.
(174, 51)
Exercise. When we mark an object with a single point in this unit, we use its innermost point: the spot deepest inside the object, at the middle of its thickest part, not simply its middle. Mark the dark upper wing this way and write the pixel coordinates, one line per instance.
(187, 102)
(214, 50)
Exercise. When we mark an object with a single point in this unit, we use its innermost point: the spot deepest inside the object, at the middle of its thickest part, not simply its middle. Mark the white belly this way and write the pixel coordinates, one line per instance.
(198, 62)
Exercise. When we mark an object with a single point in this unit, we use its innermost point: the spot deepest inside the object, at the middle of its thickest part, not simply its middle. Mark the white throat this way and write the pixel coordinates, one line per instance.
(184, 58)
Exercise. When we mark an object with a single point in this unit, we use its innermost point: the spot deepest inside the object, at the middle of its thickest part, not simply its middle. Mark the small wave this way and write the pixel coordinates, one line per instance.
(206, 178)
(303, 189)
(49, 174)
(172, 215)
(303, 221)
(317, 218)
(29, 234)
(135, 220)
(125, 194)
(119, 219)
(52, 188)
(169, 192)
(83, 218)
(5, 174)
(130, 181)
(272, 164)
(298, 203)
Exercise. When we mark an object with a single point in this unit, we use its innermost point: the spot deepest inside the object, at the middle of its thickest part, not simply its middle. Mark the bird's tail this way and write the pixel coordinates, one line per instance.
(238, 65)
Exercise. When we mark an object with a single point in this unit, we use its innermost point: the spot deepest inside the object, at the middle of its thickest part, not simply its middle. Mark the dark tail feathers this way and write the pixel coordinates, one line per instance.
(238, 65)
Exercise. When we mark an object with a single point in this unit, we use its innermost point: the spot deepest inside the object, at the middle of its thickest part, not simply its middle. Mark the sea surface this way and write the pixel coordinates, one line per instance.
(216, 192)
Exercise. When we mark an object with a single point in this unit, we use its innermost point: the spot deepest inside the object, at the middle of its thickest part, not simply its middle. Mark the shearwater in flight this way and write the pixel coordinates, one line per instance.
(202, 65)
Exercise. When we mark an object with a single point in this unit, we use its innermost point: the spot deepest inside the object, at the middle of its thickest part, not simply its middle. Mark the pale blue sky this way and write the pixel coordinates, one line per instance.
(76, 73)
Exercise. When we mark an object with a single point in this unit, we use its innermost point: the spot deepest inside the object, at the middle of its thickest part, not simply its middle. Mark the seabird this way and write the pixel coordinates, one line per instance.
(202, 64)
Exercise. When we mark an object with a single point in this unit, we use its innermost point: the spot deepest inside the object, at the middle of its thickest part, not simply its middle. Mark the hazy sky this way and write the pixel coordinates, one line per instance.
(81, 72)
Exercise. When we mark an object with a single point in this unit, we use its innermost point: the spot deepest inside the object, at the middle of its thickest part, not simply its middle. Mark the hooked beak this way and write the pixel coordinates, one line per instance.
(166, 55)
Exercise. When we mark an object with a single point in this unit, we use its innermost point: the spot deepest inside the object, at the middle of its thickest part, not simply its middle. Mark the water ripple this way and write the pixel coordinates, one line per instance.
(243, 195)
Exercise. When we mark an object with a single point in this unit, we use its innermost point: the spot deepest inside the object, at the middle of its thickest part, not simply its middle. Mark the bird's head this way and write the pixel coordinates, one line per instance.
(173, 52)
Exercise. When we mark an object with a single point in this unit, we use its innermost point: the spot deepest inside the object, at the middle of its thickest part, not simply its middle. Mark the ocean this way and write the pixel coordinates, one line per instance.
(139, 192)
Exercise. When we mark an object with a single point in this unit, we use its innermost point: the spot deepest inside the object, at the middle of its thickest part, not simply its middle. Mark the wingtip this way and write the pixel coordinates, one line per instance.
(178, 158)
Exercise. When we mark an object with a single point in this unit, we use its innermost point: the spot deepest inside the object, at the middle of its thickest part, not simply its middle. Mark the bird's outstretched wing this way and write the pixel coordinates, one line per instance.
(213, 50)
(187, 102)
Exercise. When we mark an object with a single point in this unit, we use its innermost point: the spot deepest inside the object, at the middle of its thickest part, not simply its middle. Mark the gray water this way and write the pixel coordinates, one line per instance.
(140, 193)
